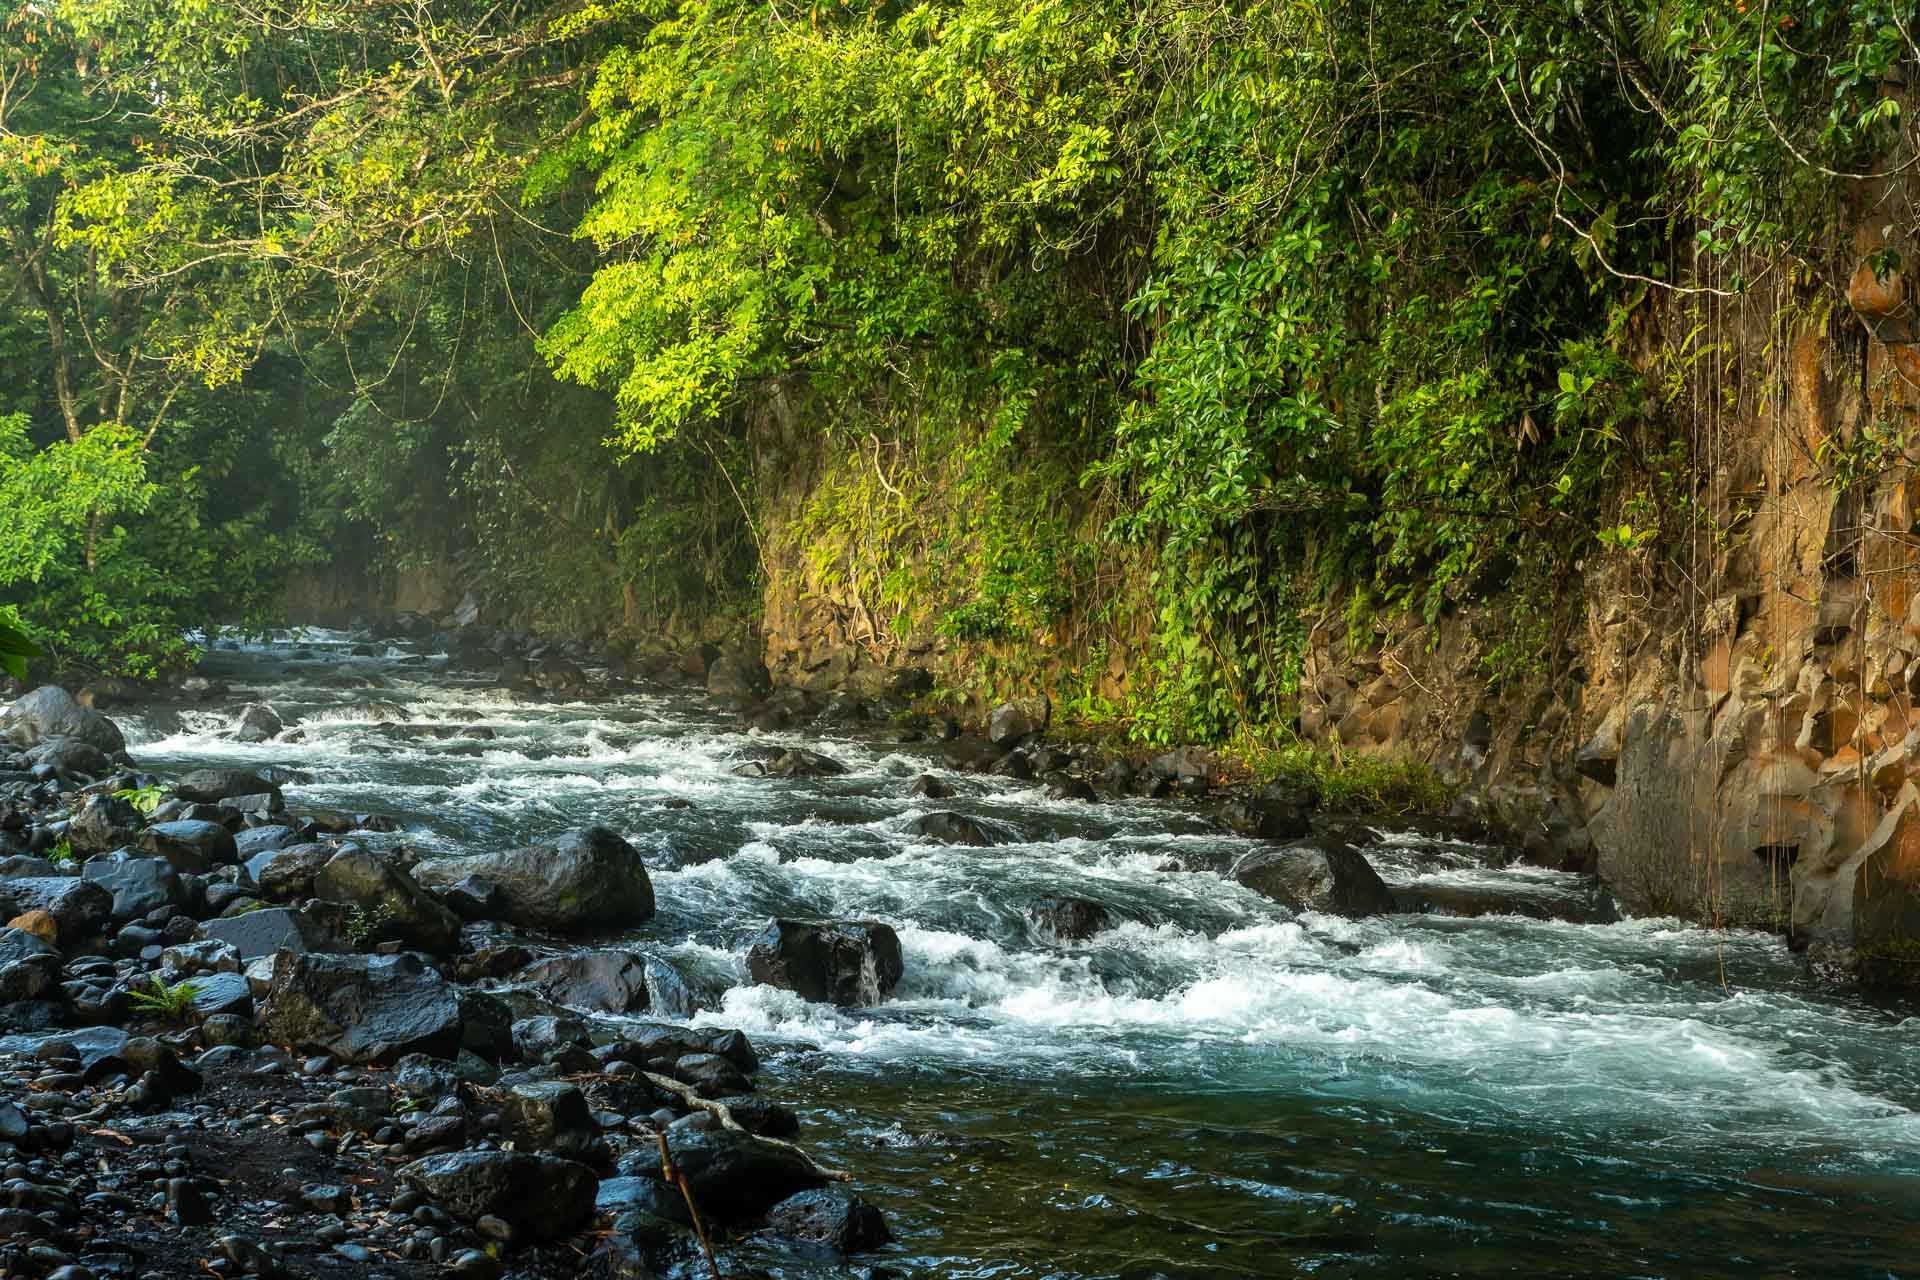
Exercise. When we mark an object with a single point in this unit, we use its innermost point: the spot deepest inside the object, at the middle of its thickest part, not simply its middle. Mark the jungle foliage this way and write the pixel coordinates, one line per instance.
(1053, 312)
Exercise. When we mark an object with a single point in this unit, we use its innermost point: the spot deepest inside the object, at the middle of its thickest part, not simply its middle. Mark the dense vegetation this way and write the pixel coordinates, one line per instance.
(1011, 319)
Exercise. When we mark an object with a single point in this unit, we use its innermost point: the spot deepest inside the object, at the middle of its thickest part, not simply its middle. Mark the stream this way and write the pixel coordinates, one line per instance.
(1213, 1087)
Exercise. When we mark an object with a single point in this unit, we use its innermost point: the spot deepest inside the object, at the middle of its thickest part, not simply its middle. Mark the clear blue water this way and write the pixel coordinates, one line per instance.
(1213, 1087)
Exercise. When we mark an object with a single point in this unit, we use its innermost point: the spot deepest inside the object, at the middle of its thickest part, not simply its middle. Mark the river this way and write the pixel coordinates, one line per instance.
(1210, 1088)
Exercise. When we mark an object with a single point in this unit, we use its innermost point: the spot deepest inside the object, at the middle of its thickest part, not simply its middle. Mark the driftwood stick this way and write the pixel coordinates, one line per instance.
(724, 1114)
(676, 1179)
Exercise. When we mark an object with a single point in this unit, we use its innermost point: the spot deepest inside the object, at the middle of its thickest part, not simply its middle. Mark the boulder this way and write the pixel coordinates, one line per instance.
(735, 1177)
(383, 890)
(1010, 723)
(584, 880)
(541, 1197)
(79, 907)
(738, 677)
(29, 967)
(52, 712)
(1266, 819)
(257, 723)
(72, 758)
(286, 874)
(211, 786)
(843, 962)
(254, 841)
(139, 886)
(264, 932)
(549, 1115)
(191, 846)
(929, 787)
(1316, 875)
(361, 1008)
(1068, 919)
(800, 763)
(829, 1218)
(612, 982)
(947, 827)
(660, 1045)
(633, 1194)
(103, 823)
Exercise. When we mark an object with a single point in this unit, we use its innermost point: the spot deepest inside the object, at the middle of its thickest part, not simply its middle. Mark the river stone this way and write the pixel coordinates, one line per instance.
(542, 1197)
(257, 723)
(191, 846)
(52, 712)
(139, 886)
(78, 907)
(361, 1008)
(263, 932)
(801, 763)
(661, 1044)
(103, 823)
(384, 891)
(254, 841)
(289, 873)
(1008, 724)
(584, 880)
(843, 962)
(1265, 819)
(829, 1218)
(634, 1194)
(948, 827)
(549, 1115)
(1316, 875)
(20, 866)
(1068, 919)
(612, 982)
(222, 993)
(72, 757)
(738, 677)
(735, 1177)
(211, 786)
(29, 968)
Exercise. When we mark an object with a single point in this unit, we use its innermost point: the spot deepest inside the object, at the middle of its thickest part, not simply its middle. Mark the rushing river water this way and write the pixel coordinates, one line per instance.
(1213, 1087)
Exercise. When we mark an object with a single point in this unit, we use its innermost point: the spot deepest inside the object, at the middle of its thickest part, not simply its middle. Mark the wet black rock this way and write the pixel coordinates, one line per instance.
(1068, 919)
(265, 931)
(930, 788)
(842, 962)
(800, 763)
(78, 907)
(542, 1197)
(829, 1218)
(550, 1116)
(361, 1008)
(210, 786)
(1266, 819)
(103, 822)
(257, 723)
(584, 880)
(29, 967)
(71, 759)
(738, 677)
(948, 827)
(612, 982)
(634, 1194)
(385, 893)
(286, 874)
(1316, 875)
(52, 712)
(139, 886)
(190, 846)
(735, 1177)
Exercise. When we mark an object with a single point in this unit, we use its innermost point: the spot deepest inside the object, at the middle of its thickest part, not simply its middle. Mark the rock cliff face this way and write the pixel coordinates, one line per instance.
(1726, 729)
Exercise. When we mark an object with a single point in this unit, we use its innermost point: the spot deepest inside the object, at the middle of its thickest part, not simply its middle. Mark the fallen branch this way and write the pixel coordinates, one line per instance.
(724, 1114)
(674, 1178)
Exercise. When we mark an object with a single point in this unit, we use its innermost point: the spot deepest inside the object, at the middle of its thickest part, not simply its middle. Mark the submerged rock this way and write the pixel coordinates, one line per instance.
(843, 962)
(1068, 919)
(829, 1218)
(948, 827)
(1316, 875)
(584, 880)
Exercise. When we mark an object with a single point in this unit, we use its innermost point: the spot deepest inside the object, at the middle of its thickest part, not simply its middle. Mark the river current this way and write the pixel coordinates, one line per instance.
(1213, 1087)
